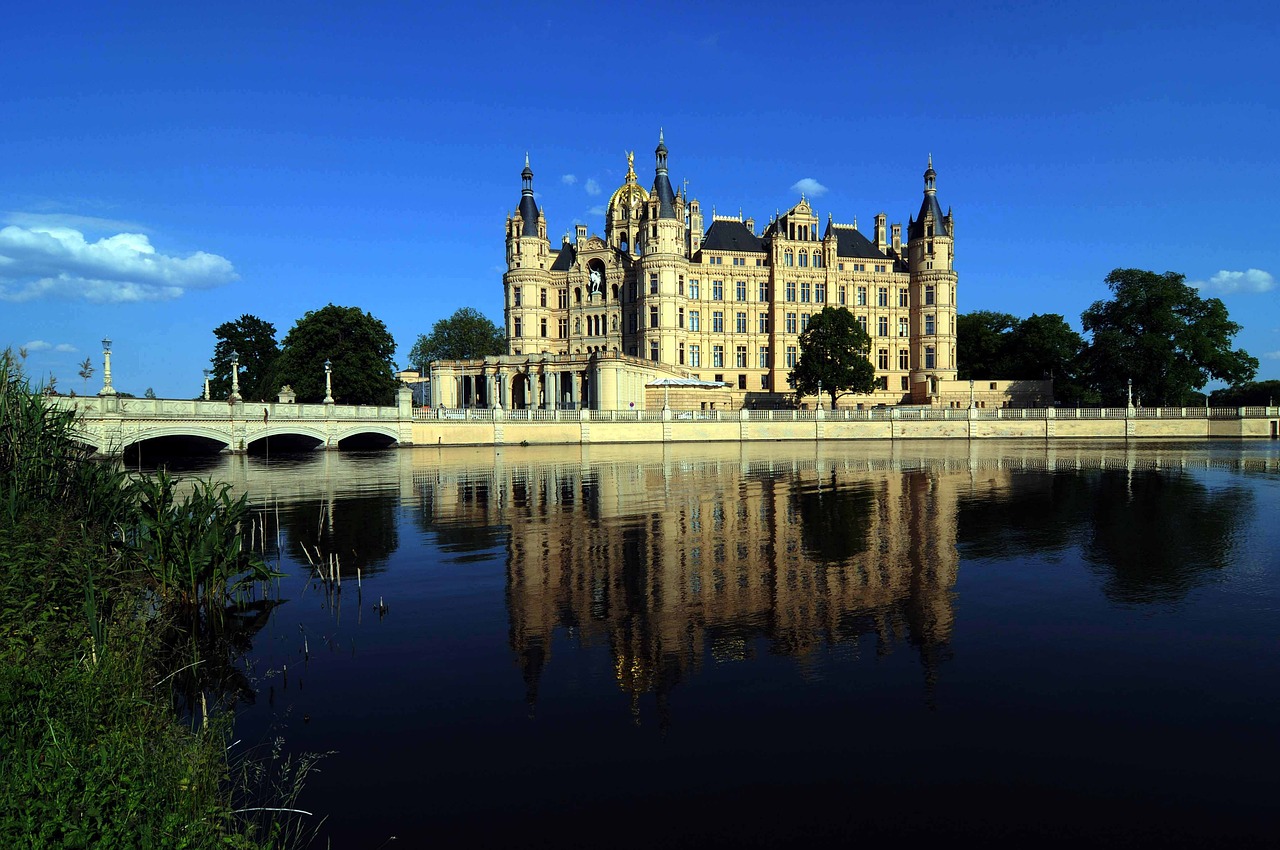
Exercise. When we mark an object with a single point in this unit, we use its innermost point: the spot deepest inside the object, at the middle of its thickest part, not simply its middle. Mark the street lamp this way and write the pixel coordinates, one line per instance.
(328, 382)
(107, 389)
(1131, 392)
(819, 395)
(235, 377)
(971, 392)
(207, 373)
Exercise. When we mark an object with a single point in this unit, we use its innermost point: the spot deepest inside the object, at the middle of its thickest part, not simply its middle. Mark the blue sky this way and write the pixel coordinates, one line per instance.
(168, 167)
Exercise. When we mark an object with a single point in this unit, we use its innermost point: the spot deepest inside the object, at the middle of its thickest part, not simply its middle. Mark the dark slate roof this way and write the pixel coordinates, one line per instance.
(667, 197)
(915, 230)
(851, 243)
(564, 258)
(529, 212)
(732, 236)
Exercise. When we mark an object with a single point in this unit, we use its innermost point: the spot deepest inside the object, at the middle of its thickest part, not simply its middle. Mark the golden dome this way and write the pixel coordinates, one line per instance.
(629, 195)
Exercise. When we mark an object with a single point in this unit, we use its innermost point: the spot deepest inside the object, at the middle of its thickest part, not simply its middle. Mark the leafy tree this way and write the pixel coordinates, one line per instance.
(982, 343)
(833, 353)
(86, 372)
(1044, 346)
(150, 393)
(1252, 394)
(359, 347)
(1162, 334)
(466, 335)
(255, 341)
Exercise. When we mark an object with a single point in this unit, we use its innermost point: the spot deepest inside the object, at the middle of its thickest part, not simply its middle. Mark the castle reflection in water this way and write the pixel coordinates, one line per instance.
(674, 557)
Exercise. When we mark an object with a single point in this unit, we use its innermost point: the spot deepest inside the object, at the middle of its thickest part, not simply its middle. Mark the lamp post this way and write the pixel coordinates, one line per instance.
(328, 382)
(107, 389)
(1131, 392)
(206, 384)
(235, 377)
(819, 395)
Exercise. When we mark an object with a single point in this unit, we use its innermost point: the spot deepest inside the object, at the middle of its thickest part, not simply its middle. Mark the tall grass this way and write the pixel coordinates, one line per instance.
(113, 608)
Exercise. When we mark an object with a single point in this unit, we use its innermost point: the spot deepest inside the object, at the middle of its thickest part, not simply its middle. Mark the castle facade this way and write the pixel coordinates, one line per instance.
(726, 302)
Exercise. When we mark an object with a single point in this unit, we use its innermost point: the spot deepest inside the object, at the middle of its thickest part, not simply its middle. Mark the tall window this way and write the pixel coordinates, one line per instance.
(862, 297)
(740, 290)
(740, 323)
(695, 320)
(564, 299)
(680, 354)
(843, 295)
(680, 285)
(929, 357)
(791, 290)
(764, 291)
(563, 328)
(904, 359)
(544, 300)
(804, 259)
(653, 317)
(904, 327)
(764, 357)
(693, 288)
(680, 318)
(740, 356)
(653, 350)
(929, 295)
(861, 320)
(519, 327)
(882, 326)
(717, 290)
(929, 324)
(820, 293)
(764, 323)
(788, 259)
(717, 322)
(904, 300)
(882, 358)
(653, 284)
(804, 322)
(517, 294)
(882, 296)
(817, 260)
(544, 321)
(717, 355)
(805, 292)
(791, 323)
(695, 355)
(792, 356)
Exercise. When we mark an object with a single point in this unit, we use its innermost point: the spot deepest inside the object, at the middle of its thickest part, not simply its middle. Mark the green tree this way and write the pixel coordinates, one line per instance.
(1251, 394)
(466, 335)
(982, 344)
(833, 354)
(150, 393)
(254, 340)
(359, 347)
(1162, 334)
(1044, 346)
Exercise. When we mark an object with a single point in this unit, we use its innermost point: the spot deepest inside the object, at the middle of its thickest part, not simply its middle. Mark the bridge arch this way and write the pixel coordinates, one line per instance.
(368, 436)
(212, 435)
(289, 437)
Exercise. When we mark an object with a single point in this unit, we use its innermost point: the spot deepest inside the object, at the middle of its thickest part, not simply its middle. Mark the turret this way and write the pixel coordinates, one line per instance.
(528, 258)
(933, 291)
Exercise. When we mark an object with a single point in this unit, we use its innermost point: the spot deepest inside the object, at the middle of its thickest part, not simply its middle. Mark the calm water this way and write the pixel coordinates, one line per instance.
(779, 646)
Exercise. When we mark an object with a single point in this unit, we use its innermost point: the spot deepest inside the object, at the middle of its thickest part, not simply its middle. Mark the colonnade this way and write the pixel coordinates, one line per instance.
(542, 386)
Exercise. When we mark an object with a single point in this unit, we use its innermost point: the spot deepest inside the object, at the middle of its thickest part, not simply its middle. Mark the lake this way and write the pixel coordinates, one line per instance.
(776, 645)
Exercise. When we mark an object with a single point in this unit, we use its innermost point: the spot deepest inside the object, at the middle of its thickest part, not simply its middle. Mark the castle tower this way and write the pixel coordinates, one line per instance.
(625, 211)
(526, 282)
(662, 266)
(930, 255)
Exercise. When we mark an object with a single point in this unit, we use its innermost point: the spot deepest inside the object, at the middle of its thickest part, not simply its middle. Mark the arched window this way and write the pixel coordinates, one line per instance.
(804, 259)
(615, 292)
(577, 294)
(788, 259)
(817, 260)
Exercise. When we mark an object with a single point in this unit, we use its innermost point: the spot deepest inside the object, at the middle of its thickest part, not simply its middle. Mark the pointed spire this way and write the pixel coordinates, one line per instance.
(929, 177)
(528, 208)
(661, 183)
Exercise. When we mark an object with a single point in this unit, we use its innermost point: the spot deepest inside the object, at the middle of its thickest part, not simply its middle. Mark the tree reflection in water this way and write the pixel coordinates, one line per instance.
(1151, 535)
(360, 530)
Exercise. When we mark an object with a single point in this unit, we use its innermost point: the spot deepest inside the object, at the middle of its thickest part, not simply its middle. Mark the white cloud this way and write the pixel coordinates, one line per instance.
(65, 348)
(810, 187)
(46, 261)
(37, 345)
(596, 211)
(569, 179)
(592, 187)
(1271, 355)
(1228, 282)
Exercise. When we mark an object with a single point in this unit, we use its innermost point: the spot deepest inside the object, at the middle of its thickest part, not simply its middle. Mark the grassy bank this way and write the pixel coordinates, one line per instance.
(117, 602)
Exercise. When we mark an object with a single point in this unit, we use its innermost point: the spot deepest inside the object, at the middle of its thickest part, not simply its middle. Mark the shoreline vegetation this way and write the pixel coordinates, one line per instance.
(126, 602)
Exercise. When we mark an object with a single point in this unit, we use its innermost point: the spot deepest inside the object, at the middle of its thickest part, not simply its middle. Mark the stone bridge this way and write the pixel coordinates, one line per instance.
(111, 424)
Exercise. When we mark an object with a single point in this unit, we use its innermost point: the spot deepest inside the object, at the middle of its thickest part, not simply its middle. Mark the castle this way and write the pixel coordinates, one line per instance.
(728, 304)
